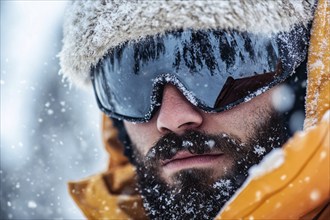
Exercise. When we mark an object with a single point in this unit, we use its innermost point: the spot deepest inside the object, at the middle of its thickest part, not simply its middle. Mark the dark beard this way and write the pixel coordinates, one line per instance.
(195, 194)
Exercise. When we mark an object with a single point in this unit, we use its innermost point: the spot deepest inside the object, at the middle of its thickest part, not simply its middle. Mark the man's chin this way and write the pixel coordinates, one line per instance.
(191, 194)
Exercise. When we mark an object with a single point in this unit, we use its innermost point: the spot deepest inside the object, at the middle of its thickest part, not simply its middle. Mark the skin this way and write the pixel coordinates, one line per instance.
(178, 115)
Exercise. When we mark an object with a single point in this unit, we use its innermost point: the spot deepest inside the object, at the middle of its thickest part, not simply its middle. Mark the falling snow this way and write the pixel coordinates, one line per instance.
(32, 204)
(283, 98)
(51, 131)
(48, 126)
(315, 195)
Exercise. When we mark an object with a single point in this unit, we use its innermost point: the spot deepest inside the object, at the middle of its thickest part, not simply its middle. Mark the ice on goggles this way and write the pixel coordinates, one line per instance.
(214, 69)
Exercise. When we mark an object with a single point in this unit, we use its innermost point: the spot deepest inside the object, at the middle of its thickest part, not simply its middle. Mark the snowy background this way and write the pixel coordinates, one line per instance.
(50, 133)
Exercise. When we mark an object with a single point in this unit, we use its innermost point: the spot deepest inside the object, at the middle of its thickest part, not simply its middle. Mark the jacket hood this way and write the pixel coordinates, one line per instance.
(92, 28)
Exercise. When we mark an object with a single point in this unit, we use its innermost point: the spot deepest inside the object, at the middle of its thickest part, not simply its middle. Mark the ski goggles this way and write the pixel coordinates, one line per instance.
(214, 69)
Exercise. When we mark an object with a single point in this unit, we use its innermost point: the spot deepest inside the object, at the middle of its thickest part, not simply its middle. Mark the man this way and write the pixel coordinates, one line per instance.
(191, 90)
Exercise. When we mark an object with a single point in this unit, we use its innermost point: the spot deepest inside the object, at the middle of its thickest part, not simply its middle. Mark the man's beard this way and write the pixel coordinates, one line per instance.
(194, 193)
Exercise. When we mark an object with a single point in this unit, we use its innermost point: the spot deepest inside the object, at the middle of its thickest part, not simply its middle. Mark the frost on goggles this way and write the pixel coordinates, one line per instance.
(214, 69)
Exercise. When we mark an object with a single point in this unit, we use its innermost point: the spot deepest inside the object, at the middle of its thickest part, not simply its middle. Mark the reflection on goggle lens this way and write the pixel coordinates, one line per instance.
(239, 89)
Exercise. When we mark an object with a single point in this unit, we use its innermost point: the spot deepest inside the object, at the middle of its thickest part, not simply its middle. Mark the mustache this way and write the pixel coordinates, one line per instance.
(196, 142)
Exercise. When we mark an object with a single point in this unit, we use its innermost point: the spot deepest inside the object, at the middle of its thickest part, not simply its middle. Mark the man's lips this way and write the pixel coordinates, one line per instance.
(184, 160)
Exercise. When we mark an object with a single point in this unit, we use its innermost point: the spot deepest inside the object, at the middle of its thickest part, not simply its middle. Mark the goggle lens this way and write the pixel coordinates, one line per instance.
(215, 70)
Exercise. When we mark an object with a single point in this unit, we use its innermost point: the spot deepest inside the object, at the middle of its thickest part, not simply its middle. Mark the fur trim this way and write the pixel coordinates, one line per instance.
(92, 27)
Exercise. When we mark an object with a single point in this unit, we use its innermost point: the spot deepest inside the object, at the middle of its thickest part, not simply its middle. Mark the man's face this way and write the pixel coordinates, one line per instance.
(190, 162)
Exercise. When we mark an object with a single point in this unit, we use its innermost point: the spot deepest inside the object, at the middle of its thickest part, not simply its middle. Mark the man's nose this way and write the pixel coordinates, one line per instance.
(177, 114)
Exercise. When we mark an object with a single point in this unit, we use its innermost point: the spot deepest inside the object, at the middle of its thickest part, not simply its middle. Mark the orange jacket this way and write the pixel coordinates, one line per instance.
(298, 188)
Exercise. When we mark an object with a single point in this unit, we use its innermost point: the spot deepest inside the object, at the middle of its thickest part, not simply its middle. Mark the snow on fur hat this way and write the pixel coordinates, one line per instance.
(93, 27)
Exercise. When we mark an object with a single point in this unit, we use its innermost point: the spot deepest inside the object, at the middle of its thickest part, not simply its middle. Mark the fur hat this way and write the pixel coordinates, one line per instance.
(93, 27)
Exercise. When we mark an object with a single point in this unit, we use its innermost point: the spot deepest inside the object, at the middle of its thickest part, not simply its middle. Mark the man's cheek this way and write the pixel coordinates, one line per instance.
(140, 144)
